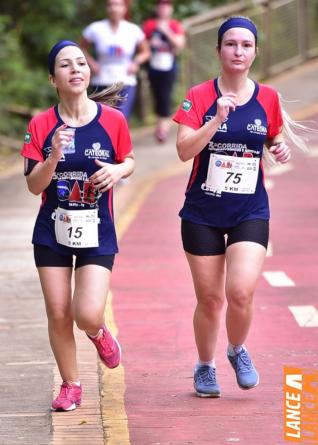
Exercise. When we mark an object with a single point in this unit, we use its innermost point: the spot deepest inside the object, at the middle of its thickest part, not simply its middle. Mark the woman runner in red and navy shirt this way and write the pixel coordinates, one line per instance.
(74, 153)
(166, 39)
(225, 124)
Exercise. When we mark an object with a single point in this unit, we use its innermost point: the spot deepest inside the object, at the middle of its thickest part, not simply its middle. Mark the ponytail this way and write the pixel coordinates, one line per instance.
(109, 96)
(292, 129)
(293, 132)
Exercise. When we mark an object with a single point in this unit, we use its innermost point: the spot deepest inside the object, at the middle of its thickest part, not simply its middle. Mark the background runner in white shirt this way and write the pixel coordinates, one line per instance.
(118, 48)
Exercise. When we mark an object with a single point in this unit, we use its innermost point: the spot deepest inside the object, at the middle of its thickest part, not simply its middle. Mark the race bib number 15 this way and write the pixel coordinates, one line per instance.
(77, 228)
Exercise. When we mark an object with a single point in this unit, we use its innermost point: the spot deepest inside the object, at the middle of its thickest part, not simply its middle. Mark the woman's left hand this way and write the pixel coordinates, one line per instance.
(105, 178)
(281, 152)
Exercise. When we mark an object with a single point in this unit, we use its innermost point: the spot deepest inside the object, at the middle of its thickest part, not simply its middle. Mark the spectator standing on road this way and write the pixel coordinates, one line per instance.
(119, 48)
(226, 125)
(74, 153)
(166, 38)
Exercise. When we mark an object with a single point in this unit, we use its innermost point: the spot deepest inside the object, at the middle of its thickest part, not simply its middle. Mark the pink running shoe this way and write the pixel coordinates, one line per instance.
(70, 397)
(108, 348)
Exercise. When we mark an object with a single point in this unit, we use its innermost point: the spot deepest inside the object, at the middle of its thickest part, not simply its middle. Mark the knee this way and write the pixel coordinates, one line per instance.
(87, 321)
(239, 297)
(60, 319)
(211, 303)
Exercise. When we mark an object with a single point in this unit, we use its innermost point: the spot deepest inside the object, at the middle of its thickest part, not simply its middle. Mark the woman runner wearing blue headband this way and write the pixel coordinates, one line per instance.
(237, 22)
(54, 52)
(74, 153)
(226, 125)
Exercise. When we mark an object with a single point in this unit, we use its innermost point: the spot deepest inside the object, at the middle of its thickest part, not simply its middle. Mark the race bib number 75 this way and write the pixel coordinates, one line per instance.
(232, 174)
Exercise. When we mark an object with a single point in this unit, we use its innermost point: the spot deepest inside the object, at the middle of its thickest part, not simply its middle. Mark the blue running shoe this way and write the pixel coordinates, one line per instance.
(205, 383)
(246, 375)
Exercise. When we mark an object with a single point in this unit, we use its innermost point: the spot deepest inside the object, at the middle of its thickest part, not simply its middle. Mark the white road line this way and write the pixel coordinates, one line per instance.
(278, 279)
(306, 316)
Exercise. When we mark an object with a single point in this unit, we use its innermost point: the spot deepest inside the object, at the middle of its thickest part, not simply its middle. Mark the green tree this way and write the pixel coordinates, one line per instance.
(28, 29)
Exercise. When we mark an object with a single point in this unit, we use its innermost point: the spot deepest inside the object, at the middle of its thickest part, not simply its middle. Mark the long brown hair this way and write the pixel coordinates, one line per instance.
(109, 95)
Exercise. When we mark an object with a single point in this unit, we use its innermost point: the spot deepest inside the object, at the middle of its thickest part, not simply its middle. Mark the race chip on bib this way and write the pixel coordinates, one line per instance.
(77, 228)
(232, 174)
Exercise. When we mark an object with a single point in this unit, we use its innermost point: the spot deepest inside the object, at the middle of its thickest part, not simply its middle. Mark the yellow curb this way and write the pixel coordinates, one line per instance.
(114, 416)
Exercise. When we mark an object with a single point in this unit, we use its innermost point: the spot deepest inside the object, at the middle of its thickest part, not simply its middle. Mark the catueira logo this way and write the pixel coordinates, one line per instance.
(301, 405)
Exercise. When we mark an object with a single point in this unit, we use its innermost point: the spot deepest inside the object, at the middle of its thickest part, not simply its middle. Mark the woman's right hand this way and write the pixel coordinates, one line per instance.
(60, 138)
(225, 104)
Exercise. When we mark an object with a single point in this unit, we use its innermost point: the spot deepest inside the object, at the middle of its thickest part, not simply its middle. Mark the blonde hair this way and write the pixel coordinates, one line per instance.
(109, 96)
(292, 129)
(293, 132)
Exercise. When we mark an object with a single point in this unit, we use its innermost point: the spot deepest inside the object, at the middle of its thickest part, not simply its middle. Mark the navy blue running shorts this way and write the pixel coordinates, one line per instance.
(44, 256)
(199, 239)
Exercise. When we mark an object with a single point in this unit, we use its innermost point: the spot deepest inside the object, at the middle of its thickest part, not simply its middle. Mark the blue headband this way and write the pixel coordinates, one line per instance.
(236, 22)
(54, 52)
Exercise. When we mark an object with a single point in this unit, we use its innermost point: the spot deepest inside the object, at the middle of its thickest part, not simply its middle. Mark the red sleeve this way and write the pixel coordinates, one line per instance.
(148, 27)
(114, 122)
(32, 149)
(198, 100)
(269, 100)
(176, 27)
(37, 131)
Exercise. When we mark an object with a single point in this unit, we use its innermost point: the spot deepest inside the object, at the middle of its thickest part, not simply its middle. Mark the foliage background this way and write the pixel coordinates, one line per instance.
(28, 29)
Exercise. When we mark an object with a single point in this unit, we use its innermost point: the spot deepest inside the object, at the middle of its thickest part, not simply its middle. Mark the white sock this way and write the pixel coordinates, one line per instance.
(74, 382)
(97, 335)
(234, 349)
(200, 363)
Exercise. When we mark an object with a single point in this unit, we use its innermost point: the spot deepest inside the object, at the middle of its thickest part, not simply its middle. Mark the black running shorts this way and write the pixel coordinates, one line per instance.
(44, 256)
(199, 239)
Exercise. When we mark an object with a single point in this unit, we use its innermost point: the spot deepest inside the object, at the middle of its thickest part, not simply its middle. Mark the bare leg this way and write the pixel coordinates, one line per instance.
(91, 289)
(208, 278)
(162, 128)
(56, 286)
(244, 265)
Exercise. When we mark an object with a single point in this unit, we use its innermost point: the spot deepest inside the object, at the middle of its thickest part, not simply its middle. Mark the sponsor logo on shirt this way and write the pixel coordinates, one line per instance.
(227, 146)
(78, 193)
(75, 175)
(27, 137)
(187, 105)
(257, 127)
(222, 128)
(208, 190)
(115, 51)
(223, 164)
(48, 150)
(96, 152)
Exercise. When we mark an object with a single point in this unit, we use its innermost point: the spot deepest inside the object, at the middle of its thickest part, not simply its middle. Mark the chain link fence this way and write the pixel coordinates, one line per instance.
(288, 35)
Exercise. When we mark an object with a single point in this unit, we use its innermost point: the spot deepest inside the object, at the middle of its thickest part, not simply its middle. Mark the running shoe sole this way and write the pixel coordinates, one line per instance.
(206, 396)
(249, 387)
